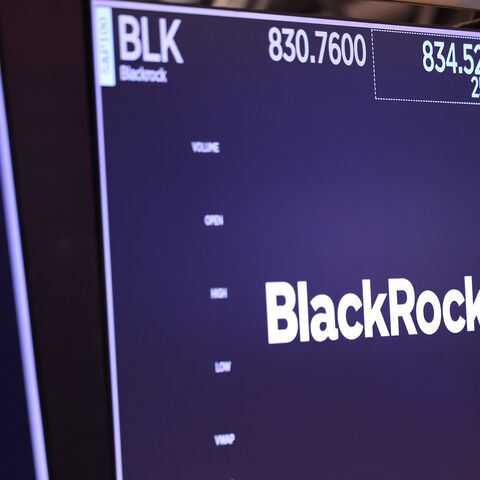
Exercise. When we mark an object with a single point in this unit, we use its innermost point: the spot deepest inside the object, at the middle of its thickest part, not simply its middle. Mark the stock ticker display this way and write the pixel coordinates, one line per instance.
(289, 211)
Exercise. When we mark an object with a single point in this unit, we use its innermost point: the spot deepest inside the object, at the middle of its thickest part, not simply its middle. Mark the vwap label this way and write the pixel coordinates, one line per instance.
(330, 322)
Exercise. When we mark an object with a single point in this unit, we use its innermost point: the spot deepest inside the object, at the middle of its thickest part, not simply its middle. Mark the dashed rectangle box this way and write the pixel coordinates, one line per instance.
(399, 74)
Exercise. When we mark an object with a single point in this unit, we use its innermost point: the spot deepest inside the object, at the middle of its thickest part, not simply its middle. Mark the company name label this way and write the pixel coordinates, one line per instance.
(288, 312)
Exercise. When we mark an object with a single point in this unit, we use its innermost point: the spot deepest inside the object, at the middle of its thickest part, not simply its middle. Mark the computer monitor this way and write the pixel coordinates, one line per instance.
(289, 215)
(21, 432)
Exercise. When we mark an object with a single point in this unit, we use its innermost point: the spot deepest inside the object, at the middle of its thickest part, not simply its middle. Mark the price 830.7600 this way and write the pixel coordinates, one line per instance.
(442, 57)
(289, 45)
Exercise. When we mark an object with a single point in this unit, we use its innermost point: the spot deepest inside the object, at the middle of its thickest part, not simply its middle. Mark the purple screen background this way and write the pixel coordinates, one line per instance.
(317, 181)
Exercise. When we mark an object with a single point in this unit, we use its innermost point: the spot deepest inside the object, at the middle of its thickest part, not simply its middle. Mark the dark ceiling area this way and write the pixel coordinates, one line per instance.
(440, 12)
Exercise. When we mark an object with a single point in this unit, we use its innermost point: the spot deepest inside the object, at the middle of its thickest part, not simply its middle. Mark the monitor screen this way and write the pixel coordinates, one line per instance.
(289, 212)
(21, 432)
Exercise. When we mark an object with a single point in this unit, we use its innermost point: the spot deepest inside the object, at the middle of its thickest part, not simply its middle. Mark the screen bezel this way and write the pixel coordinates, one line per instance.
(18, 279)
(172, 7)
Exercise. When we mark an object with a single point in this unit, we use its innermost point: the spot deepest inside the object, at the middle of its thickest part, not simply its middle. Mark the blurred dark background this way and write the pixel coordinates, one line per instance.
(427, 12)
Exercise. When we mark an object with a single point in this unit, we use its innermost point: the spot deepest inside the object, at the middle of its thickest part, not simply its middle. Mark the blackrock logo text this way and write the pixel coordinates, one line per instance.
(288, 312)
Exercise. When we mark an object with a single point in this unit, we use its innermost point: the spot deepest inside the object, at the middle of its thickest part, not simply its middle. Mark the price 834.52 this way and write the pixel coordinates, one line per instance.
(442, 57)
(289, 45)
